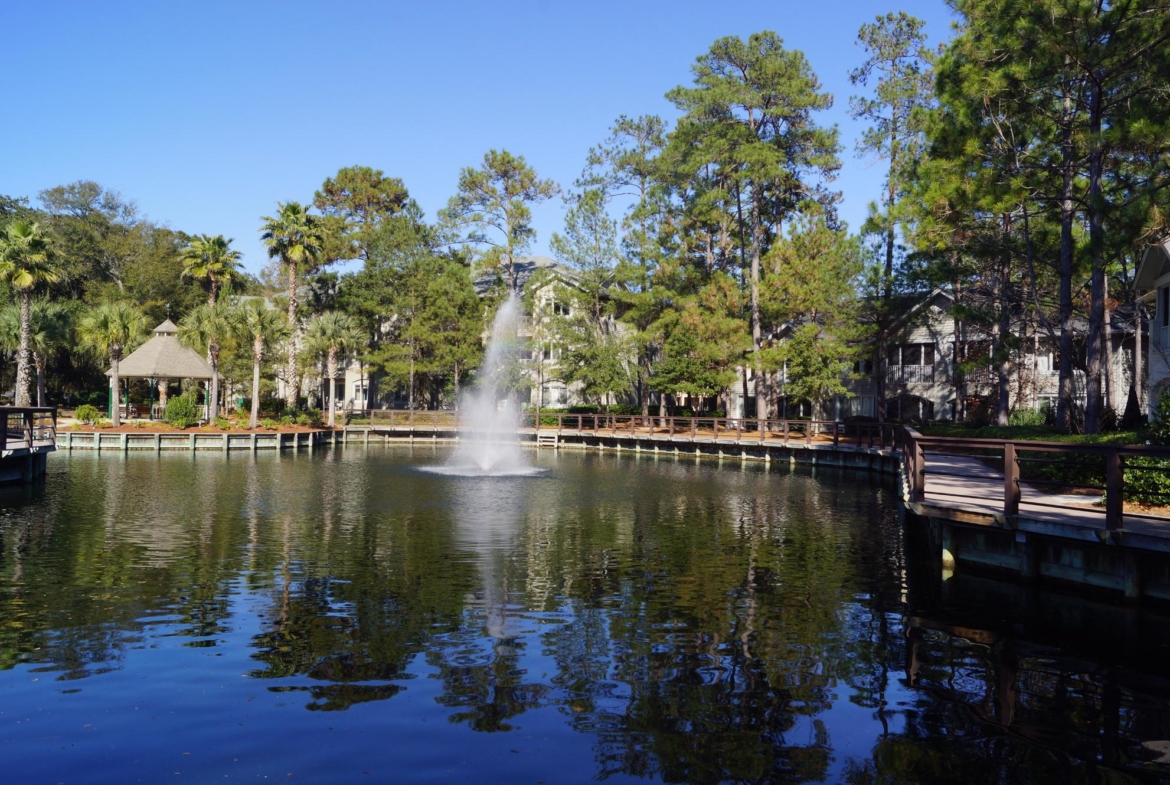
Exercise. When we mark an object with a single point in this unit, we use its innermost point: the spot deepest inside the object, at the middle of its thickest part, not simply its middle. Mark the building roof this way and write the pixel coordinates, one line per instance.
(163, 357)
(1155, 263)
(525, 267)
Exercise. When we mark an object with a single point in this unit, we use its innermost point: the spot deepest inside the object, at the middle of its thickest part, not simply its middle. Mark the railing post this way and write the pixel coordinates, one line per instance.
(739, 430)
(1114, 488)
(694, 428)
(560, 423)
(1011, 481)
(786, 433)
(919, 472)
(715, 428)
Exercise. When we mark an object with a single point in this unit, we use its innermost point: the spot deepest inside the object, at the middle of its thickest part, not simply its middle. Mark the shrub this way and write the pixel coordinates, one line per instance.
(182, 411)
(88, 414)
(269, 423)
(1029, 417)
(223, 423)
(287, 420)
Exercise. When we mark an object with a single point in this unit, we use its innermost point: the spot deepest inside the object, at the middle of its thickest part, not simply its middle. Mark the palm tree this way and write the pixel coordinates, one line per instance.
(253, 321)
(295, 239)
(25, 263)
(335, 335)
(205, 329)
(110, 329)
(49, 329)
(211, 261)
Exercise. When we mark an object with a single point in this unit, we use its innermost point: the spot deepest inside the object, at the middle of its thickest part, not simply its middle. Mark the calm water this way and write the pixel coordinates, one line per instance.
(346, 618)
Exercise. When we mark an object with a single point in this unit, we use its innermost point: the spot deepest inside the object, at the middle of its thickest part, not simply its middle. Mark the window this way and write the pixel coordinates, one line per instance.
(863, 367)
(912, 354)
(560, 310)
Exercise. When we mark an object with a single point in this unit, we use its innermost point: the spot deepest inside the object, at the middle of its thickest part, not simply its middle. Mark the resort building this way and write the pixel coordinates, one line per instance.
(1153, 283)
(933, 370)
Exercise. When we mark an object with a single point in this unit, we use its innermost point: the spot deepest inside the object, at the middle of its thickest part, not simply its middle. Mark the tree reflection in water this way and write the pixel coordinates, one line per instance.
(691, 623)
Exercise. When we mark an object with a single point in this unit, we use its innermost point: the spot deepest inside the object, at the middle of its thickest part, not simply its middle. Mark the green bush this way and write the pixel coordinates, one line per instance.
(87, 414)
(287, 420)
(269, 423)
(182, 410)
(1029, 417)
(223, 423)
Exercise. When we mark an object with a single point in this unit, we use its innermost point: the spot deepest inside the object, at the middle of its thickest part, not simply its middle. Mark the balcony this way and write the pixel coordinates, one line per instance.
(910, 374)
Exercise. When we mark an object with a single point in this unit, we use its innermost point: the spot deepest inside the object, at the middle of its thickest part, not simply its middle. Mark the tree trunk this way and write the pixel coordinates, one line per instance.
(410, 392)
(40, 361)
(116, 386)
(1107, 334)
(331, 387)
(1002, 331)
(257, 358)
(1065, 387)
(456, 387)
(891, 195)
(291, 393)
(1094, 351)
(213, 397)
(24, 354)
(1138, 382)
(163, 385)
(757, 333)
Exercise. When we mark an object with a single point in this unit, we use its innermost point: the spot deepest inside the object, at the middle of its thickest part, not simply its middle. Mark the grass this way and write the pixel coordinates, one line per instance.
(1031, 433)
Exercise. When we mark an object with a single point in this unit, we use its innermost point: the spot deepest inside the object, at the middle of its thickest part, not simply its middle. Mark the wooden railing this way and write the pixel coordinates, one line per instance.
(24, 427)
(1114, 472)
(869, 435)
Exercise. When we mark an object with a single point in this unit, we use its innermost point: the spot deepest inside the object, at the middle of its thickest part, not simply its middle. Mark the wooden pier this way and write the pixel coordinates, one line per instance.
(195, 441)
(989, 503)
(29, 437)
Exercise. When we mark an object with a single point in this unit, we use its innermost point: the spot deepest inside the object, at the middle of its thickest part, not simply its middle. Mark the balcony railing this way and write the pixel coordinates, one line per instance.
(910, 374)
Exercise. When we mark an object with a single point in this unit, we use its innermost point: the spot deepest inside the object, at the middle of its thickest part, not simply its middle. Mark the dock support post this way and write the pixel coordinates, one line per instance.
(253, 442)
(191, 441)
(1132, 573)
(948, 547)
(125, 445)
(158, 442)
(69, 441)
(1029, 557)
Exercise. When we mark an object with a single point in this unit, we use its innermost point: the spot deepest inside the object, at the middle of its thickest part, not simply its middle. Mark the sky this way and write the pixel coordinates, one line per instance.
(207, 114)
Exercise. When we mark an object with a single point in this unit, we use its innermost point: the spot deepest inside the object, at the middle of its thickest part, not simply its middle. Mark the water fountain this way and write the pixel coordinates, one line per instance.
(490, 448)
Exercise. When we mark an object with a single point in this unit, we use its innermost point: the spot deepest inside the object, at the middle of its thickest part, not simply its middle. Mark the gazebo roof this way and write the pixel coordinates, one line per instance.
(163, 357)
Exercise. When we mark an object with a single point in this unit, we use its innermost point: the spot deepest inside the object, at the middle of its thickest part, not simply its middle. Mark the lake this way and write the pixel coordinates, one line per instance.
(344, 617)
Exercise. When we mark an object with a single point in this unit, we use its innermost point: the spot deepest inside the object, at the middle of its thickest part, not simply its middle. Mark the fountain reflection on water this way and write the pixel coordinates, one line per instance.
(491, 448)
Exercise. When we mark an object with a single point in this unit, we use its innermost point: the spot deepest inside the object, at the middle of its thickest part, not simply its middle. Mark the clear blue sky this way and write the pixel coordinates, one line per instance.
(207, 114)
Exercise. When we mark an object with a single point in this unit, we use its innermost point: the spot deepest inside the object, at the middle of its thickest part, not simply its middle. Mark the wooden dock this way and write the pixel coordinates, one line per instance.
(30, 434)
(195, 441)
(989, 502)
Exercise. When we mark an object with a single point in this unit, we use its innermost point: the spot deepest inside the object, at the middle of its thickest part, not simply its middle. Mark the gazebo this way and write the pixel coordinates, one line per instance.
(161, 359)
